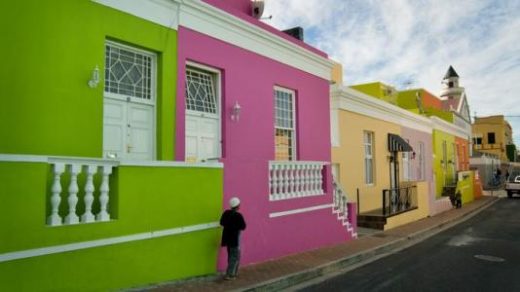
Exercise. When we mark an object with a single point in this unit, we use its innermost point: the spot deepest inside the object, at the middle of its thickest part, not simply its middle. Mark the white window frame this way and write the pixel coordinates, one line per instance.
(153, 76)
(293, 145)
(368, 158)
(218, 92)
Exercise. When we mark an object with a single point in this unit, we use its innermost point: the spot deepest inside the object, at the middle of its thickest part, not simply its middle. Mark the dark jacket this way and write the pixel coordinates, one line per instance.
(233, 222)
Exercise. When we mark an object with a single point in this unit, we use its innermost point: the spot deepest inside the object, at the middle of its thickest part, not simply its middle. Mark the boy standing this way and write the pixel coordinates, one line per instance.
(233, 223)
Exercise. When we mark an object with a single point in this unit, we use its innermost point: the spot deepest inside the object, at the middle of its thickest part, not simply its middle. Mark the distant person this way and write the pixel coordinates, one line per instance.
(233, 223)
(507, 175)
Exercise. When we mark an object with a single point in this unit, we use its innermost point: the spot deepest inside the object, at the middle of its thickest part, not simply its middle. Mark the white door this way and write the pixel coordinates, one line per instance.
(202, 139)
(202, 114)
(128, 130)
(129, 103)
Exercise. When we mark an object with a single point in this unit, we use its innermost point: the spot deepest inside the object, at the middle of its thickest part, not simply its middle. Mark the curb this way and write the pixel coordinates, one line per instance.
(364, 256)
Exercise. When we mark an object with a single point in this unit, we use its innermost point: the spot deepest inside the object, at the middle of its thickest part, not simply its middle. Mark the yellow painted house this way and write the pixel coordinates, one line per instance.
(381, 157)
(492, 135)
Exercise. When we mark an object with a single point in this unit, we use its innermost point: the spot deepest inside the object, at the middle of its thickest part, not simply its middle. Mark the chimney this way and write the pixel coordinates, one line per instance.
(295, 32)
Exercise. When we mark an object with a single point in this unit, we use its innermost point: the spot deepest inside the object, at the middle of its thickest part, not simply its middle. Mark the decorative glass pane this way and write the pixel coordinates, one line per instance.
(201, 91)
(128, 72)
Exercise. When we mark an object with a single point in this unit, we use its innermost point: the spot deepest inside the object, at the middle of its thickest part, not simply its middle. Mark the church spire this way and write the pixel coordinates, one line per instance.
(451, 73)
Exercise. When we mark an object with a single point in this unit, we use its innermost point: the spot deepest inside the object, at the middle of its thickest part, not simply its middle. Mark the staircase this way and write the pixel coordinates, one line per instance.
(340, 208)
(373, 220)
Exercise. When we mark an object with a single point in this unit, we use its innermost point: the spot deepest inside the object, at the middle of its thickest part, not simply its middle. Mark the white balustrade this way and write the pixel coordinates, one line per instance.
(71, 170)
(293, 179)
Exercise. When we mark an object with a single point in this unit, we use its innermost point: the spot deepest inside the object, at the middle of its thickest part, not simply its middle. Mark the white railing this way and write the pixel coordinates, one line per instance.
(73, 168)
(295, 179)
(340, 200)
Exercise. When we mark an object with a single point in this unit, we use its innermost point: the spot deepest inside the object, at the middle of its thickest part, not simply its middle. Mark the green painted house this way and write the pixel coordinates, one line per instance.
(83, 84)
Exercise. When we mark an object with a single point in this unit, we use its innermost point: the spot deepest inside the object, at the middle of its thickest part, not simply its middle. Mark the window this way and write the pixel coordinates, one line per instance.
(368, 142)
(284, 136)
(201, 91)
(477, 140)
(450, 84)
(491, 138)
(421, 166)
(128, 72)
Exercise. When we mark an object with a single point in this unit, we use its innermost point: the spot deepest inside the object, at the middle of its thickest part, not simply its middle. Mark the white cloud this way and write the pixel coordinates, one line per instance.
(401, 40)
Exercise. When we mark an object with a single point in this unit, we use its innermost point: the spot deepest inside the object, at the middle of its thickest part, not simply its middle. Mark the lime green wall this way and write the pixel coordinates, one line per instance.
(378, 90)
(407, 99)
(445, 115)
(440, 172)
(52, 48)
(146, 198)
(465, 186)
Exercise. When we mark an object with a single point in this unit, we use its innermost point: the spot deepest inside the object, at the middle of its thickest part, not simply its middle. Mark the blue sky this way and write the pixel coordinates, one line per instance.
(414, 42)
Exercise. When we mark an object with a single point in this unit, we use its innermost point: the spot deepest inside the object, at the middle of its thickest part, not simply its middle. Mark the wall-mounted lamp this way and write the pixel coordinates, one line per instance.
(94, 78)
(413, 155)
(235, 112)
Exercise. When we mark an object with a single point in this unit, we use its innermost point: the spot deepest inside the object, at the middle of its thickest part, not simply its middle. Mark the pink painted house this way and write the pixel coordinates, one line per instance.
(257, 100)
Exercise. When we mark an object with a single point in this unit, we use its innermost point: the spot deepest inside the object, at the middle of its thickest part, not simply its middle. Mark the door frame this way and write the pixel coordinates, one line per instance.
(128, 99)
(219, 96)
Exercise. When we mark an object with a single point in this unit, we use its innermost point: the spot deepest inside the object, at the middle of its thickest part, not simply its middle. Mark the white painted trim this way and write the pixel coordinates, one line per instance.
(298, 211)
(162, 12)
(204, 18)
(348, 99)
(29, 253)
(23, 158)
(442, 125)
(171, 164)
(84, 161)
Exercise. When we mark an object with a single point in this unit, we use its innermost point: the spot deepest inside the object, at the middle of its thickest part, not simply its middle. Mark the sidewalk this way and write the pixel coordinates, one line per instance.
(292, 270)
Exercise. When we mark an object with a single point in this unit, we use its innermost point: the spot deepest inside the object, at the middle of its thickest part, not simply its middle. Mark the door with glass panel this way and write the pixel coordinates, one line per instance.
(202, 114)
(129, 103)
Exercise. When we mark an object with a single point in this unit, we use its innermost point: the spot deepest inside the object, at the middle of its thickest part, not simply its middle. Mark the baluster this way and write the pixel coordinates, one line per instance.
(271, 183)
(297, 180)
(307, 179)
(320, 178)
(55, 219)
(89, 197)
(292, 191)
(276, 180)
(285, 181)
(72, 218)
(314, 185)
(103, 214)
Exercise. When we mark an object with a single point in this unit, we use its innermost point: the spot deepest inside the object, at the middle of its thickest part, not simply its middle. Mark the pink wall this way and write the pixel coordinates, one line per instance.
(240, 9)
(248, 144)
(415, 136)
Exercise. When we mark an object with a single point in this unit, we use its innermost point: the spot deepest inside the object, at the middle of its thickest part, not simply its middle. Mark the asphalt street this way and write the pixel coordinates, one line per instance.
(480, 254)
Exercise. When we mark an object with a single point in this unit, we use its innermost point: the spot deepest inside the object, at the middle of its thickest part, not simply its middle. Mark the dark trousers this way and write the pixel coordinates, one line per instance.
(233, 261)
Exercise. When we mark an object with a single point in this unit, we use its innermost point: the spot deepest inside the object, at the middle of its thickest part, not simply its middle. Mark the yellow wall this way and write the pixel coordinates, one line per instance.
(465, 186)
(350, 157)
(419, 213)
(337, 74)
(503, 135)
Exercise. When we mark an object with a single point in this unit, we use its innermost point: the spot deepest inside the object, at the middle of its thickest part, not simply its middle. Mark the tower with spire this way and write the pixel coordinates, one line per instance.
(451, 89)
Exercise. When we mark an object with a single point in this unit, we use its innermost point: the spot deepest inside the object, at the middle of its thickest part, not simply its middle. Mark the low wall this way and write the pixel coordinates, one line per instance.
(422, 210)
(164, 227)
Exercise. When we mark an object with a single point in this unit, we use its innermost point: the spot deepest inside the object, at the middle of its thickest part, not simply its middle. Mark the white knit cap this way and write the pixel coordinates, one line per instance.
(234, 202)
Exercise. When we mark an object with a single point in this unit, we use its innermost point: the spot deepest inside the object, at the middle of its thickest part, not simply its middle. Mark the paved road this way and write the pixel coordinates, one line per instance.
(446, 261)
